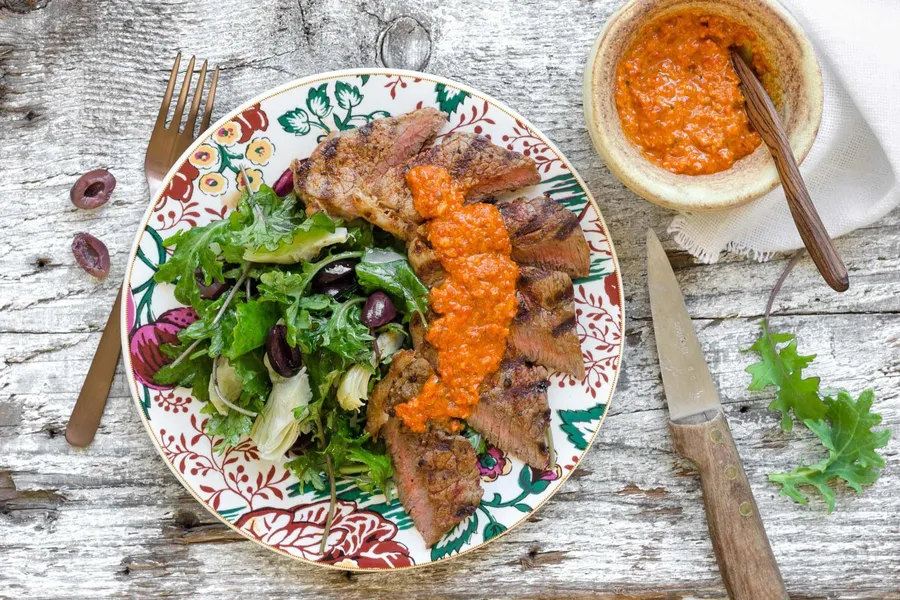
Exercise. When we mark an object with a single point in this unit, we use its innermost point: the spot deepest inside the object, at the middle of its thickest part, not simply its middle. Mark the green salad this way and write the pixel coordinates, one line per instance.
(298, 318)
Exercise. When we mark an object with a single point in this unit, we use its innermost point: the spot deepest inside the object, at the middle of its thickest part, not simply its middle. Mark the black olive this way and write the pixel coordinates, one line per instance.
(378, 311)
(93, 189)
(285, 183)
(211, 291)
(91, 254)
(339, 270)
(284, 358)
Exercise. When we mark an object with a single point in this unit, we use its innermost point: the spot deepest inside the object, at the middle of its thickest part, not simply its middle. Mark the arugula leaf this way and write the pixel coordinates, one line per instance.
(847, 435)
(191, 372)
(193, 249)
(263, 220)
(390, 272)
(253, 319)
(231, 427)
(324, 368)
(345, 335)
(783, 369)
(254, 377)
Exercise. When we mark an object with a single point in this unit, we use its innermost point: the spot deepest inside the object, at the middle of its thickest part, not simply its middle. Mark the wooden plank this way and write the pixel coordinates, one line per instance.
(112, 521)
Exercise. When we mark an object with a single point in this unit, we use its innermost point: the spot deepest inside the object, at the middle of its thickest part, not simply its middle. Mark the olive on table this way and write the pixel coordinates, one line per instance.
(339, 270)
(91, 254)
(211, 291)
(378, 310)
(93, 189)
(284, 358)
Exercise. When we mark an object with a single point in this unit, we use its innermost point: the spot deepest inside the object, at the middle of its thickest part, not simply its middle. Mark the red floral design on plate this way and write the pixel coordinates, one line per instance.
(474, 120)
(358, 538)
(171, 400)
(394, 82)
(146, 356)
(227, 479)
(600, 335)
(533, 146)
(251, 120)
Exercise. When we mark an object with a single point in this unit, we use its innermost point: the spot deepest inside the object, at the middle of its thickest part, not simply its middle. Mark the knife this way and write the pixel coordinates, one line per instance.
(701, 434)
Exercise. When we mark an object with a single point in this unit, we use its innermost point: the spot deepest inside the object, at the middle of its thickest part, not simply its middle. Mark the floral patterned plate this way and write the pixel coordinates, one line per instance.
(260, 499)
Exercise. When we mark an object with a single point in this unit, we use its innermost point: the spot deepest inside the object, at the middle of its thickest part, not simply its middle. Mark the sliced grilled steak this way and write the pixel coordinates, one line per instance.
(544, 329)
(423, 260)
(435, 472)
(343, 174)
(546, 234)
(483, 168)
(422, 347)
(513, 413)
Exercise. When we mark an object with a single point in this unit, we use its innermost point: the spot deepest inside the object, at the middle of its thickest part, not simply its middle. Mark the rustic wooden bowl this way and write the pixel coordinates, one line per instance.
(800, 80)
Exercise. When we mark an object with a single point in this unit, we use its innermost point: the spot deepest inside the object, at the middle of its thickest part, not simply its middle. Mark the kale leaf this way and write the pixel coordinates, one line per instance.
(390, 272)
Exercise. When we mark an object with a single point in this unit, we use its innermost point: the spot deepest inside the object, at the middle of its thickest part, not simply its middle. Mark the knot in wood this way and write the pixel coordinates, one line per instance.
(404, 44)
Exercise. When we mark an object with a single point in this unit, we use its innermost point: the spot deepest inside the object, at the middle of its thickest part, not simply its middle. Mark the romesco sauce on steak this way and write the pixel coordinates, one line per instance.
(475, 303)
(677, 93)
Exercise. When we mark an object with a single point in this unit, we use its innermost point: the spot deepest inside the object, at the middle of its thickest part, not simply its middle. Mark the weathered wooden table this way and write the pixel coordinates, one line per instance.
(80, 83)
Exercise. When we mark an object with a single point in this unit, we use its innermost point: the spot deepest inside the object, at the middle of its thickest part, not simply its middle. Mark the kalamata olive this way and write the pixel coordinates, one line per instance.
(378, 311)
(284, 358)
(339, 270)
(91, 254)
(211, 291)
(93, 189)
(285, 183)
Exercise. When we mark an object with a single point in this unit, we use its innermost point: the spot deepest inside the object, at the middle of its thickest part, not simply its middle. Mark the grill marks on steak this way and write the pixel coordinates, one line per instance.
(546, 234)
(513, 412)
(544, 329)
(483, 168)
(436, 471)
(362, 172)
(344, 174)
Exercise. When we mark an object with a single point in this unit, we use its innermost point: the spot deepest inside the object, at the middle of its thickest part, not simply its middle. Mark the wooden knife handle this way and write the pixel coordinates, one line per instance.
(766, 121)
(742, 549)
(91, 401)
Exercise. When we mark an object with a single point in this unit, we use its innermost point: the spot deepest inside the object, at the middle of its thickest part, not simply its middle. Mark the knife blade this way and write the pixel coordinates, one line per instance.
(686, 379)
(701, 434)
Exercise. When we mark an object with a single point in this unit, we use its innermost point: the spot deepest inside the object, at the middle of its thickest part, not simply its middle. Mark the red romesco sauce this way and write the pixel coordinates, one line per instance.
(476, 302)
(677, 93)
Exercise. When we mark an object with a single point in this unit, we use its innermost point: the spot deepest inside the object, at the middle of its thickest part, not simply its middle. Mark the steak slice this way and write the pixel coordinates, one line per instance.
(513, 413)
(544, 329)
(546, 234)
(424, 261)
(343, 174)
(435, 472)
(482, 168)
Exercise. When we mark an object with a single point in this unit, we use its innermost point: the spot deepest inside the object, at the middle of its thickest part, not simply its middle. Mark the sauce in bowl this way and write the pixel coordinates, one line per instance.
(677, 93)
(476, 302)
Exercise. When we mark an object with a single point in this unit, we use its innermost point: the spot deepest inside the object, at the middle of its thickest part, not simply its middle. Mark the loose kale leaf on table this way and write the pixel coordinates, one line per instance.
(782, 367)
(847, 435)
(843, 425)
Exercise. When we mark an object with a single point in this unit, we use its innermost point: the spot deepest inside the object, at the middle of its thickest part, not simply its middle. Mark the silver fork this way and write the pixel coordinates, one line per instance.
(166, 145)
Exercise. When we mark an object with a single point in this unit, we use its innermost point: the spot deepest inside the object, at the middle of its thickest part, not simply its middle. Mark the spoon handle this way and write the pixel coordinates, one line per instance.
(765, 120)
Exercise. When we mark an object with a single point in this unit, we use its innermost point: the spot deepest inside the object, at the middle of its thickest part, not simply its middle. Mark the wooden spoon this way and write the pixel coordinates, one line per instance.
(766, 121)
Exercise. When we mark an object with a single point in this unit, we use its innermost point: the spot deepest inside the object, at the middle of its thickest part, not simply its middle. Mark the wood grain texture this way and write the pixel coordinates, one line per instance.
(80, 84)
(738, 535)
(765, 120)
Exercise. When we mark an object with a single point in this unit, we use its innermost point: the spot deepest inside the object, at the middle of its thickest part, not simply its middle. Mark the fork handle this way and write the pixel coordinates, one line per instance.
(91, 401)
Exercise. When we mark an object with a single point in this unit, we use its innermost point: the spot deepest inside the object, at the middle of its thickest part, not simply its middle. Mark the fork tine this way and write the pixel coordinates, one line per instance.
(210, 101)
(182, 97)
(167, 99)
(195, 104)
